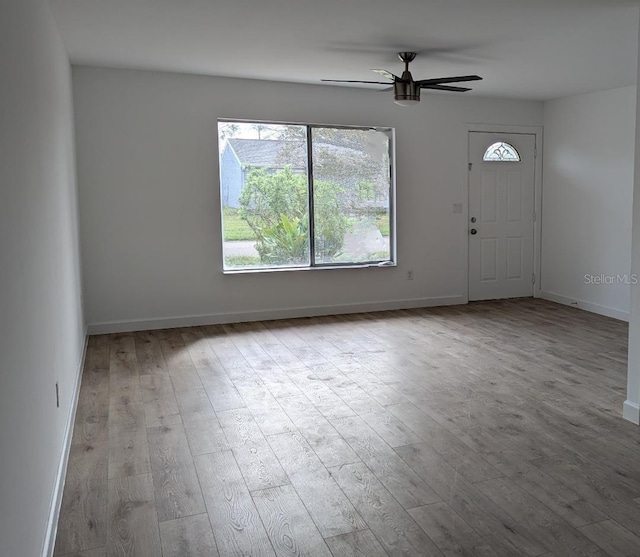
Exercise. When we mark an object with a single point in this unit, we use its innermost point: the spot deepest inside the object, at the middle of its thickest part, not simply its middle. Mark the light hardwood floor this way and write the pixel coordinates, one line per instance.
(488, 429)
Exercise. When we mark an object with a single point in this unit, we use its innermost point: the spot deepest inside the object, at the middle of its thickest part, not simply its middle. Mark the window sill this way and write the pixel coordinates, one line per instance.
(382, 265)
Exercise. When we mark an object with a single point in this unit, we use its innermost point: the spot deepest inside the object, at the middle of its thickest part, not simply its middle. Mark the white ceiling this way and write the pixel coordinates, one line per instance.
(528, 49)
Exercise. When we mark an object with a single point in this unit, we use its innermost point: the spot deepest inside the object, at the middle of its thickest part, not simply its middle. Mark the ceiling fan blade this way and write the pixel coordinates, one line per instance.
(355, 81)
(387, 74)
(445, 88)
(455, 79)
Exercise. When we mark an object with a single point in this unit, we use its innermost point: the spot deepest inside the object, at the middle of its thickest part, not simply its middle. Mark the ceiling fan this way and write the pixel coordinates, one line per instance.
(406, 91)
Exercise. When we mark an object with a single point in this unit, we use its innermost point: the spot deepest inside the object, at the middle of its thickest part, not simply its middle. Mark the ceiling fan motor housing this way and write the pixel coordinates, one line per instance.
(406, 91)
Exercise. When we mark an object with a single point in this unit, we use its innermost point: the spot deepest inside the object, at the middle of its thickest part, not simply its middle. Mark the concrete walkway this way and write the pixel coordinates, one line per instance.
(240, 248)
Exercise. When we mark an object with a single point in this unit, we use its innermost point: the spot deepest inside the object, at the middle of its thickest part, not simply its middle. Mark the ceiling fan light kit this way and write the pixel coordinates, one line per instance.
(406, 91)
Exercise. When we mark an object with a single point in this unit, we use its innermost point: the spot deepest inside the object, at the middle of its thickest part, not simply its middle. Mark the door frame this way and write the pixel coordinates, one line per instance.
(537, 225)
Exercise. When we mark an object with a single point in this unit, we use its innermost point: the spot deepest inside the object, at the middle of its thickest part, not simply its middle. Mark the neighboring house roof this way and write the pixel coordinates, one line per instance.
(344, 165)
(277, 153)
(270, 153)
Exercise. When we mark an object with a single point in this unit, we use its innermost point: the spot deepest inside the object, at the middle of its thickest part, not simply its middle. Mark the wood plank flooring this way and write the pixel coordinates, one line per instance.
(488, 429)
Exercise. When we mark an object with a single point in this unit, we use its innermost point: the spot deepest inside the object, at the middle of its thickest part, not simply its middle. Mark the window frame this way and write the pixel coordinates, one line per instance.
(313, 265)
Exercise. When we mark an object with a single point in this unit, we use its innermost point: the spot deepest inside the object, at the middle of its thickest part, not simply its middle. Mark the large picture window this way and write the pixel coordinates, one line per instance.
(297, 196)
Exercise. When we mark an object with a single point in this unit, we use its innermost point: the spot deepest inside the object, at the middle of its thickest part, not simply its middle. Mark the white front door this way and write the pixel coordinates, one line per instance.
(501, 215)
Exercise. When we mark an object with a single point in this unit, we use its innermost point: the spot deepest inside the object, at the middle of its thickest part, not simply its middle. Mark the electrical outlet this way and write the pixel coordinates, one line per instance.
(457, 207)
(410, 274)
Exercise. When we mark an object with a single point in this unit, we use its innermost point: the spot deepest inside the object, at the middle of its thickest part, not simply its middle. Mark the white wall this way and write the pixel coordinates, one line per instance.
(41, 328)
(631, 408)
(148, 181)
(589, 143)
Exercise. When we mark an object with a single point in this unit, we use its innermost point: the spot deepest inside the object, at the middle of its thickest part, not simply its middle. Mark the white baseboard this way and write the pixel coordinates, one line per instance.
(268, 315)
(56, 499)
(631, 412)
(587, 306)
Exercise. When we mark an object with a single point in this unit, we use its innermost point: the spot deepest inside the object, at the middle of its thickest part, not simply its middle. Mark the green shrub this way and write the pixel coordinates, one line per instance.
(275, 207)
(266, 196)
(331, 224)
(285, 243)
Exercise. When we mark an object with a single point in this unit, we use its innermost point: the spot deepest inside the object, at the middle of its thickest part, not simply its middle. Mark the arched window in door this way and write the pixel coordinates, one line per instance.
(501, 152)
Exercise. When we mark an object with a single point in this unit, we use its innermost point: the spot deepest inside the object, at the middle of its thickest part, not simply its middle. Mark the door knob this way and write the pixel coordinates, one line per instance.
(473, 219)
(473, 231)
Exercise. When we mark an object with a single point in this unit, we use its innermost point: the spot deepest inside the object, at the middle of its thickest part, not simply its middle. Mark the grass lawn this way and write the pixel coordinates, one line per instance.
(382, 222)
(237, 229)
(241, 261)
(234, 227)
